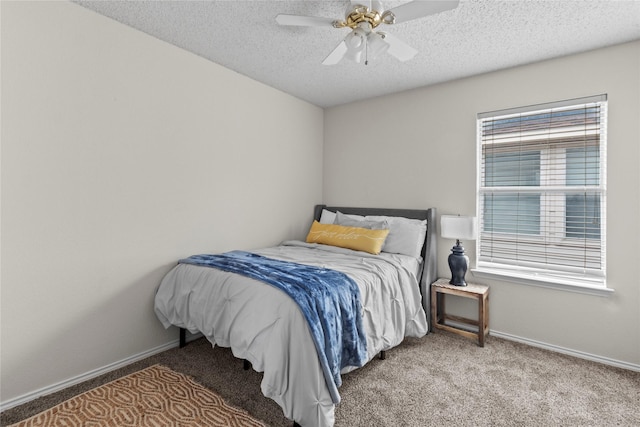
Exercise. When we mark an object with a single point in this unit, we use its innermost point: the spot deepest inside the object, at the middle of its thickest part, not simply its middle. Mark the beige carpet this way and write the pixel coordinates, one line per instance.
(155, 396)
(441, 380)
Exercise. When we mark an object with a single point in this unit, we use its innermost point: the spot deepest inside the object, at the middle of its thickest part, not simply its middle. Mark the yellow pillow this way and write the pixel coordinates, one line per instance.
(359, 239)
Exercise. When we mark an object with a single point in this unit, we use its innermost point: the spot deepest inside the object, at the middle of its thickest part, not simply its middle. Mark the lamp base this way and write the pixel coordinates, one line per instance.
(458, 263)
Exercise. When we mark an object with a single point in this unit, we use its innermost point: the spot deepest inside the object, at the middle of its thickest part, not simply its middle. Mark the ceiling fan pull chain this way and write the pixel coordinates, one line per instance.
(366, 54)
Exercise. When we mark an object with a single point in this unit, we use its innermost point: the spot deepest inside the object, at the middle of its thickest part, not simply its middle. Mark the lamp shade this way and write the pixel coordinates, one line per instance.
(458, 227)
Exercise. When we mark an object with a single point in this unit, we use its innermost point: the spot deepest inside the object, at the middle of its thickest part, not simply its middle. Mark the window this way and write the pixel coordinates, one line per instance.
(542, 193)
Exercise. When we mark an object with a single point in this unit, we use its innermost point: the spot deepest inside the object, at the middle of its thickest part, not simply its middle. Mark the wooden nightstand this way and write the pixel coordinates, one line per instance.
(440, 288)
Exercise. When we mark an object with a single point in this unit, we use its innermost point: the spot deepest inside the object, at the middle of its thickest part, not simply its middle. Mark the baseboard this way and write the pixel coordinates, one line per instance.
(86, 376)
(567, 351)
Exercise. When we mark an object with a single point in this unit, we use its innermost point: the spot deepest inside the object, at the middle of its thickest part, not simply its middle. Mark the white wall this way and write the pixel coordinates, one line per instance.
(121, 154)
(418, 149)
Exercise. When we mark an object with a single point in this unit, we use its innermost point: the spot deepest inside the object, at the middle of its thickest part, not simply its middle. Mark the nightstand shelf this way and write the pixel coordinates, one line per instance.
(474, 329)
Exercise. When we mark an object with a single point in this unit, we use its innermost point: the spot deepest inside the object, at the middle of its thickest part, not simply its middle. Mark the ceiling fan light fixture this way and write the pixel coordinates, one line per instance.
(355, 40)
(364, 27)
(376, 44)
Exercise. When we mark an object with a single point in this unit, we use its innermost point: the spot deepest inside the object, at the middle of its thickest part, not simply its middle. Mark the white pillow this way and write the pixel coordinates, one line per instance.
(406, 236)
(327, 217)
(355, 221)
(352, 216)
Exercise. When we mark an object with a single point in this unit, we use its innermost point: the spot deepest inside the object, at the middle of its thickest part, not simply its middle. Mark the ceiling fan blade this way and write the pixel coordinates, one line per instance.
(355, 3)
(370, 4)
(419, 8)
(304, 21)
(398, 48)
(337, 54)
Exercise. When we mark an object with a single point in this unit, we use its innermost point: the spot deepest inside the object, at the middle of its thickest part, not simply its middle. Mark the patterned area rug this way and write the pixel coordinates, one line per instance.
(155, 396)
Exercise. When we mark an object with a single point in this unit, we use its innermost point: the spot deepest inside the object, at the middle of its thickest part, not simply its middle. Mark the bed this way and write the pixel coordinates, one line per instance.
(234, 301)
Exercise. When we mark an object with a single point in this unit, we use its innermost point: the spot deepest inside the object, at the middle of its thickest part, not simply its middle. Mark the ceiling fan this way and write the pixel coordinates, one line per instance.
(363, 17)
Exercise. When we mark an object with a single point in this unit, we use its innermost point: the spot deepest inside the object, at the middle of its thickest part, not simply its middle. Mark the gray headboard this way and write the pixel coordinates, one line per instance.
(429, 249)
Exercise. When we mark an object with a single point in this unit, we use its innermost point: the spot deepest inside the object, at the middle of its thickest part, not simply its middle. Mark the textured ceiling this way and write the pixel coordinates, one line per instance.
(477, 37)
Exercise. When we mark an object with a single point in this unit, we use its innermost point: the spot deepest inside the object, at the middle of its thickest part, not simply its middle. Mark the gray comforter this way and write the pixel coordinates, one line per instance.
(266, 327)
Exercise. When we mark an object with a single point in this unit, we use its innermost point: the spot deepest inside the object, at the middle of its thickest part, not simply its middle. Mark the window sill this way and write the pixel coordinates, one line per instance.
(543, 282)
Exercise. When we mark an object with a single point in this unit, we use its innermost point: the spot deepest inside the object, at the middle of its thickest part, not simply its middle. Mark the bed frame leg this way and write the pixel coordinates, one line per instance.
(382, 355)
(295, 424)
(183, 337)
(246, 364)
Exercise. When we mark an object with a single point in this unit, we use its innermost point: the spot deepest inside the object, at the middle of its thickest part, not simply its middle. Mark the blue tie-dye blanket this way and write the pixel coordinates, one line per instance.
(329, 300)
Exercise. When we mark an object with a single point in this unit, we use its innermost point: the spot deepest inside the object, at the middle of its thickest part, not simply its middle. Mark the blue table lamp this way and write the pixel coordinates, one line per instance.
(459, 228)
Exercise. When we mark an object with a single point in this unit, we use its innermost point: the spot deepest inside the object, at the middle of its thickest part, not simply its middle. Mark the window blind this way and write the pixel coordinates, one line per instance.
(541, 189)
